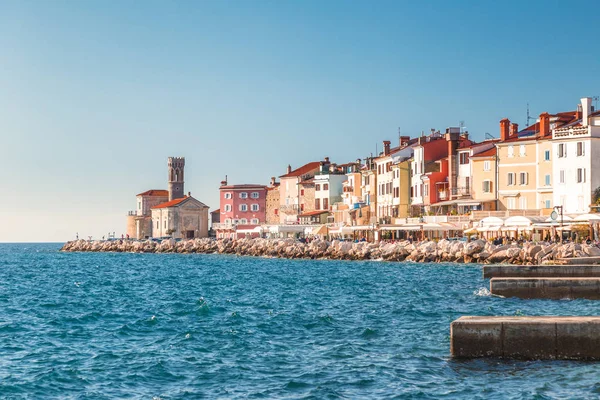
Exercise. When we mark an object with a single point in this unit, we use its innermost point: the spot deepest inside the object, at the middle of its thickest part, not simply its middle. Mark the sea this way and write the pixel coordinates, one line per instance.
(191, 326)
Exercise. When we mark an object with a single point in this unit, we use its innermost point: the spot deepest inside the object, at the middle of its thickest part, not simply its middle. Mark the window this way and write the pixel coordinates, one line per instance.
(426, 190)
(523, 178)
(227, 207)
(157, 225)
(562, 176)
(547, 155)
(301, 192)
(243, 207)
(511, 178)
(522, 150)
(276, 211)
(243, 221)
(165, 224)
(228, 195)
(487, 186)
(547, 204)
(547, 180)
(562, 150)
(317, 187)
(325, 204)
(317, 204)
(254, 207)
(254, 195)
(511, 151)
(487, 166)
(510, 203)
(302, 207)
(228, 221)
(523, 203)
(139, 205)
(580, 175)
(580, 149)
(254, 221)
(326, 186)
(243, 195)
(463, 158)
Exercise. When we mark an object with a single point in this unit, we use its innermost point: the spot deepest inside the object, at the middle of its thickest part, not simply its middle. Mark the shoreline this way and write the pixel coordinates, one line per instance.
(476, 251)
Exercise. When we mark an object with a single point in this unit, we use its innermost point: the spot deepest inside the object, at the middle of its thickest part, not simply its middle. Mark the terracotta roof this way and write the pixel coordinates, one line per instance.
(171, 203)
(218, 210)
(154, 192)
(311, 213)
(487, 153)
(305, 169)
(243, 186)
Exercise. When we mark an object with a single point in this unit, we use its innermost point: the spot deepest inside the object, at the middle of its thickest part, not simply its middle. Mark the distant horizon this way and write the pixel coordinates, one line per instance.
(97, 95)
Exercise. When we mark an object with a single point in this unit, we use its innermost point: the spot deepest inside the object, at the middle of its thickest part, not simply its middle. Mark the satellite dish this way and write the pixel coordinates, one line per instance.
(553, 215)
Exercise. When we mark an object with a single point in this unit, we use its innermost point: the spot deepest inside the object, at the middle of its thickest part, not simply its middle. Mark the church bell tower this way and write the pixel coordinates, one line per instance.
(176, 165)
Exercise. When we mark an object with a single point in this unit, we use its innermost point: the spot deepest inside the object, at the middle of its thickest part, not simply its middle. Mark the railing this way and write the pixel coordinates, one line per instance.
(132, 213)
(443, 195)
(221, 225)
(477, 215)
(461, 191)
(289, 208)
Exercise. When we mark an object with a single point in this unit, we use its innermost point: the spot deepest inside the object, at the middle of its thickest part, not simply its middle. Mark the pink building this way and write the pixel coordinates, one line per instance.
(242, 209)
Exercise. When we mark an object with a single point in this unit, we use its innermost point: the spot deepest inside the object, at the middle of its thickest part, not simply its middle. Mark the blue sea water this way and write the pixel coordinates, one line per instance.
(170, 326)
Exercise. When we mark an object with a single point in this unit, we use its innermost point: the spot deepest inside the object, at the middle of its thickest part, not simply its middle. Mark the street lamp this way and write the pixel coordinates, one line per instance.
(554, 215)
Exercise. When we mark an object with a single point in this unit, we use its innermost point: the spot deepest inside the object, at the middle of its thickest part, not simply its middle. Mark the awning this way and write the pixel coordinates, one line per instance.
(400, 227)
(320, 230)
(494, 228)
(446, 203)
(469, 203)
(471, 230)
(587, 217)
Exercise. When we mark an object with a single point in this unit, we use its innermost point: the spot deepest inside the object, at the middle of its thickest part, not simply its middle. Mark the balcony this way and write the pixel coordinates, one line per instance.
(132, 213)
(461, 191)
(289, 209)
(443, 194)
(223, 226)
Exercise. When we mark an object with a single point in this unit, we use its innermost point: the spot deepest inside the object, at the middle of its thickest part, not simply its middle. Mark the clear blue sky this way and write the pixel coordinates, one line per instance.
(95, 95)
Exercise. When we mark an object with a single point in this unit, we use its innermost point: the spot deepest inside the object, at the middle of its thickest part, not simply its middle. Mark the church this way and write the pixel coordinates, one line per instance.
(169, 213)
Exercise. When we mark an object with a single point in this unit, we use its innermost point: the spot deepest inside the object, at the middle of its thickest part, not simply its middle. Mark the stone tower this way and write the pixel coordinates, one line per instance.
(176, 165)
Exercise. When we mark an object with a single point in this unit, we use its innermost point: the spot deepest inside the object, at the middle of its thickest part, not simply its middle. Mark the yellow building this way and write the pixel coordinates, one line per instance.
(483, 173)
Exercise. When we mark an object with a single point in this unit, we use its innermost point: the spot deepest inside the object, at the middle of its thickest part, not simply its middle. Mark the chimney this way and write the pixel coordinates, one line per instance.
(404, 140)
(189, 194)
(504, 132)
(386, 147)
(544, 123)
(586, 106)
(327, 160)
(465, 135)
(272, 183)
(578, 112)
(514, 128)
(289, 169)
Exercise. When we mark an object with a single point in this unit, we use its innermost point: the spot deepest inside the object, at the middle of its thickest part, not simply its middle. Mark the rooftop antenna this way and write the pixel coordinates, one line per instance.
(528, 116)
(489, 136)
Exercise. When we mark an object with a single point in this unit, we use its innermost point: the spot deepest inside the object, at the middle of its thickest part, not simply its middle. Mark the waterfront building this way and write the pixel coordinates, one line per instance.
(389, 185)
(272, 202)
(328, 183)
(182, 218)
(290, 190)
(139, 222)
(524, 162)
(576, 165)
(158, 211)
(427, 152)
(369, 188)
(243, 207)
(483, 170)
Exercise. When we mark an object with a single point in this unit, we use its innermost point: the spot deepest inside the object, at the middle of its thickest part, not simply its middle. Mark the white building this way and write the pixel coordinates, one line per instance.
(576, 167)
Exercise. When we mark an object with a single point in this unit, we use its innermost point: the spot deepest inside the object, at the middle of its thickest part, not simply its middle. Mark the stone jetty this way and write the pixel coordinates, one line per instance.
(476, 251)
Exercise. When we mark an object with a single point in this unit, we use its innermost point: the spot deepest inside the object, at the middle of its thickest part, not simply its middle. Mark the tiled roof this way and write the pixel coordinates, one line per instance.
(487, 153)
(155, 192)
(243, 186)
(311, 213)
(218, 210)
(171, 203)
(305, 169)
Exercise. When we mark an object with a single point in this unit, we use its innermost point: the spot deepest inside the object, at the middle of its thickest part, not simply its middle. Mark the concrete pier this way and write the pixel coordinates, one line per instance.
(528, 338)
(546, 288)
(541, 271)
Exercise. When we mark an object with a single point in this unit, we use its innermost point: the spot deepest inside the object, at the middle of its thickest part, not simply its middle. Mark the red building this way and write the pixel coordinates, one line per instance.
(242, 209)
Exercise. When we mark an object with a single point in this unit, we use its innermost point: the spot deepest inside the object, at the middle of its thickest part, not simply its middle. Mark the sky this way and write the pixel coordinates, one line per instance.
(95, 95)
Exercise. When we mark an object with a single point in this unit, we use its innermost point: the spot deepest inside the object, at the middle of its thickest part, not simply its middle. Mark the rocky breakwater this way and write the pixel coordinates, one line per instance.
(477, 251)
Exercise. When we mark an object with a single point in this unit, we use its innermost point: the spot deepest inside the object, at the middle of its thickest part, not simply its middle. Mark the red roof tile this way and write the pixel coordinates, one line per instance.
(487, 153)
(155, 192)
(305, 169)
(311, 213)
(243, 186)
(171, 203)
